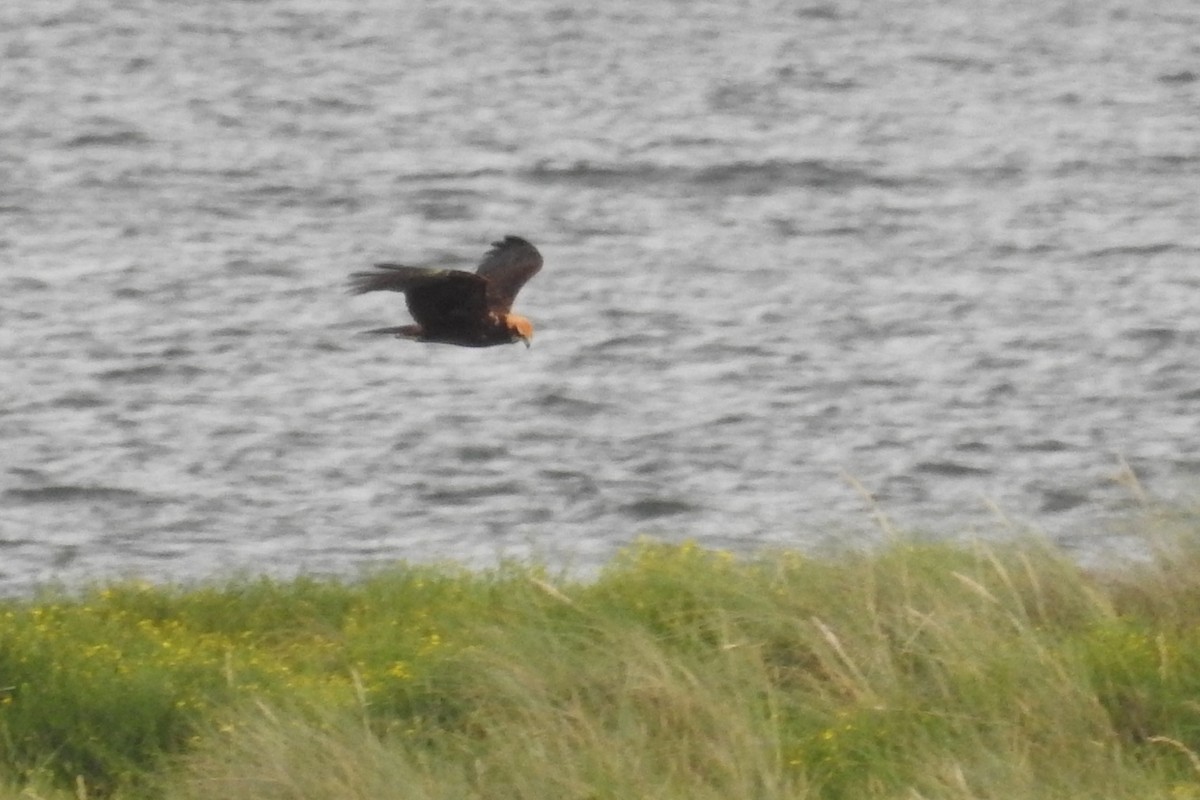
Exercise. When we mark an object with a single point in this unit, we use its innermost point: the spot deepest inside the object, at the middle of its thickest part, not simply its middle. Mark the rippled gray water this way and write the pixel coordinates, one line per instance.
(948, 250)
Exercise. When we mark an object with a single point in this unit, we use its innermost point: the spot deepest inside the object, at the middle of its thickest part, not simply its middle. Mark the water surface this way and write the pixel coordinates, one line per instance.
(946, 252)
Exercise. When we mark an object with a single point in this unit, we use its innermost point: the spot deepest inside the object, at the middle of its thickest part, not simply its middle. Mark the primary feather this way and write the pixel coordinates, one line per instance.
(507, 266)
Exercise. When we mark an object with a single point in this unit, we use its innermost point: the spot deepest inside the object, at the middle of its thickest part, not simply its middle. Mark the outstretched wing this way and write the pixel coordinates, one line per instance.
(438, 299)
(507, 266)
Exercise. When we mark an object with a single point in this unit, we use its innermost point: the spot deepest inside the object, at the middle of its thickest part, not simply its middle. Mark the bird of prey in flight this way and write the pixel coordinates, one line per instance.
(450, 306)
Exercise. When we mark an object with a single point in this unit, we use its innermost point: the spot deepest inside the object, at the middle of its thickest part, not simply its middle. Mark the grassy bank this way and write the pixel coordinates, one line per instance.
(917, 671)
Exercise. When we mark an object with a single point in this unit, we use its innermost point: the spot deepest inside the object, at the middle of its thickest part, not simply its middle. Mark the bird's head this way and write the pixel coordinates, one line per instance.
(519, 328)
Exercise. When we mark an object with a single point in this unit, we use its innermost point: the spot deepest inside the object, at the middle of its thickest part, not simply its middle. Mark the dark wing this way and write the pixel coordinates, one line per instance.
(438, 299)
(507, 266)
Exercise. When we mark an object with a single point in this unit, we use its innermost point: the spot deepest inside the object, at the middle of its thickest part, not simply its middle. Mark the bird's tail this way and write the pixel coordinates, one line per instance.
(401, 331)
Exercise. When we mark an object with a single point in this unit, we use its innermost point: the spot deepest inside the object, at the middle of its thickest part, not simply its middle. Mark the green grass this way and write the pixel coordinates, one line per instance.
(914, 671)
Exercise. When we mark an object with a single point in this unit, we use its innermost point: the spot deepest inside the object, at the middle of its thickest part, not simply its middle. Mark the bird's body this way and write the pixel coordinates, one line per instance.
(449, 306)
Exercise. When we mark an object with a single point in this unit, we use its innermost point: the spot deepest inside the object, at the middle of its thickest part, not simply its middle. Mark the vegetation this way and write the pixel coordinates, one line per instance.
(915, 671)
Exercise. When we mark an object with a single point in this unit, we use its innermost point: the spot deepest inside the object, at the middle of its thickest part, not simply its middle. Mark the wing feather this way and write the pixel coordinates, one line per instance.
(438, 299)
(390, 277)
(507, 266)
